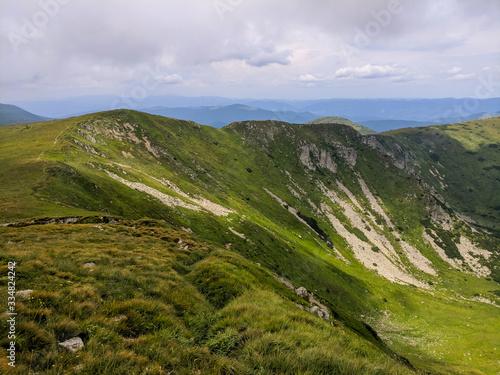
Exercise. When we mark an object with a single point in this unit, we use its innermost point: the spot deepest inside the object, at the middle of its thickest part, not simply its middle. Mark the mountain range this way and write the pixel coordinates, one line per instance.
(264, 247)
(377, 114)
(220, 116)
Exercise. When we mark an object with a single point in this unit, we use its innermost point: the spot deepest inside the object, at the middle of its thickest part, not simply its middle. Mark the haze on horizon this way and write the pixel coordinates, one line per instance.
(250, 48)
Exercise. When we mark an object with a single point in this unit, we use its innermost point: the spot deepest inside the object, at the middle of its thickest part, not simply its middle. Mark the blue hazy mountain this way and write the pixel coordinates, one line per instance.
(13, 115)
(219, 116)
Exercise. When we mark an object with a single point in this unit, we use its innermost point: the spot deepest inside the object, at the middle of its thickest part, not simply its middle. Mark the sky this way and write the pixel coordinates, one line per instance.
(274, 49)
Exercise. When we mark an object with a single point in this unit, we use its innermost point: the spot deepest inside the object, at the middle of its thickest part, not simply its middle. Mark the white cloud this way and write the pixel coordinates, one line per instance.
(369, 71)
(460, 77)
(454, 70)
(172, 79)
(311, 78)
(267, 58)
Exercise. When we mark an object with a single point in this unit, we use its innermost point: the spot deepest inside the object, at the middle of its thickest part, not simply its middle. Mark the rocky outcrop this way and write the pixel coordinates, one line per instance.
(401, 158)
(349, 154)
(316, 307)
(89, 148)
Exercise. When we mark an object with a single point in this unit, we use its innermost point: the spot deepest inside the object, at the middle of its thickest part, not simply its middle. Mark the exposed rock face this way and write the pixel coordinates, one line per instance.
(347, 153)
(472, 255)
(312, 157)
(401, 157)
(73, 344)
(441, 217)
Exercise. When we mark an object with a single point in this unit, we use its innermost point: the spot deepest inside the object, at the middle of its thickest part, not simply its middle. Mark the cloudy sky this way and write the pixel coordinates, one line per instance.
(290, 49)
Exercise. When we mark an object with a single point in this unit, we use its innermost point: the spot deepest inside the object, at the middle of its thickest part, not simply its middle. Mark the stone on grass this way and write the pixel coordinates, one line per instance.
(73, 344)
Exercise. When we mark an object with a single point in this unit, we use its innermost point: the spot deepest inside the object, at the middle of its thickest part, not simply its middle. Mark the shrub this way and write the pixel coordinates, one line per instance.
(46, 298)
(217, 282)
(31, 337)
(224, 342)
(138, 317)
(82, 310)
(83, 293)
(65, 330)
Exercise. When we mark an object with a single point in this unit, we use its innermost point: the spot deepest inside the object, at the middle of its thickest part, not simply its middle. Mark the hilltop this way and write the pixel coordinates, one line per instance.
(314, 224)
(340, 120)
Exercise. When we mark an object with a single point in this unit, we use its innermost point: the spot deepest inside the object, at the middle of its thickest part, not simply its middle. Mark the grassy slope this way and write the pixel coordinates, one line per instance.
(231, 170)
(146, 306)
(21, 148)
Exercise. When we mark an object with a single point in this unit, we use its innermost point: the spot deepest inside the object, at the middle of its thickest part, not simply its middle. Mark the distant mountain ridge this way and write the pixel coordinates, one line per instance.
(220, 116)
(13, 115)
(431, 111)
(386, 125)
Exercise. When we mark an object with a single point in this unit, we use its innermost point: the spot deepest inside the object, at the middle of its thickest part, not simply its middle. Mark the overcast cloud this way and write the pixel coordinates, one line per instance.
(249, 48)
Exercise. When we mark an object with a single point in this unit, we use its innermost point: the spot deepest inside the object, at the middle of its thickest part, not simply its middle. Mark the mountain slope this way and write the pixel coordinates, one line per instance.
(363, 130)
(12, 115)
(346, 216)
(463, 162)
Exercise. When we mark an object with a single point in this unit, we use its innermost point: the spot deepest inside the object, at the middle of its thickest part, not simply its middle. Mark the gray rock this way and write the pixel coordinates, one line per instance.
(322, 313)
(73, 344)
(302, 292)
(317, 310)
(326, 314)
